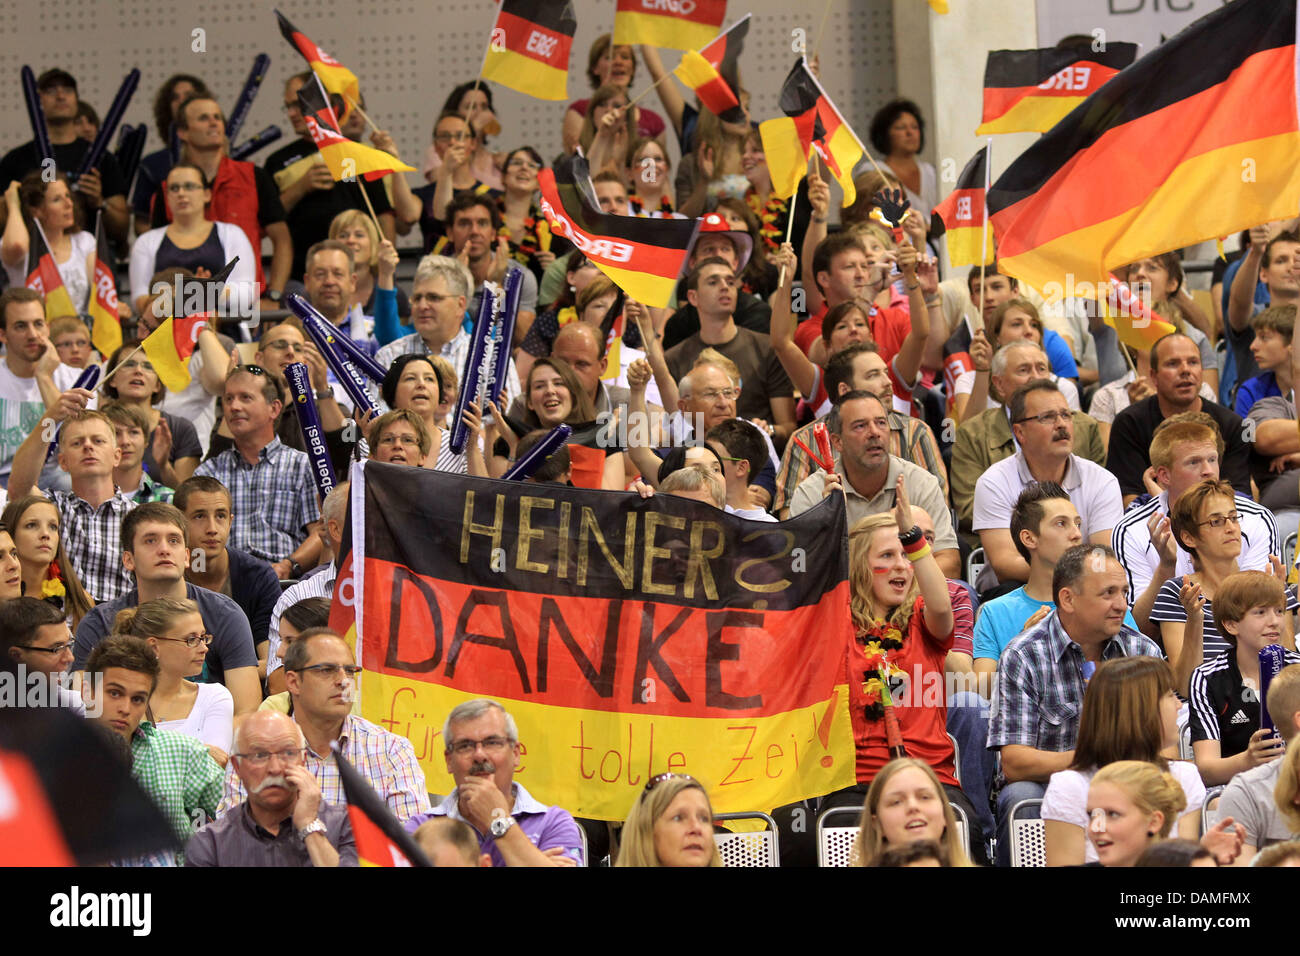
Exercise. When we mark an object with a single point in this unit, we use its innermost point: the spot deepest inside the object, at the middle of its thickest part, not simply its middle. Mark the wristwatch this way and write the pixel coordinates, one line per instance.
(275, 295)
(324, 393)
(501, 826)
(314, 827)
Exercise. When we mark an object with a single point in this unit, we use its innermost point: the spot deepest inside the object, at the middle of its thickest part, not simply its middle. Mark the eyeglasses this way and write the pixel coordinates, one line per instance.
(331, 671)
(55, 649)
(527, 164)
(261, 758)
(194, 640)
(713, 394)
(393, 438)
(284, 345)
(1218, 521)
(660, 778)
(456, 137)
(184, 187)
(463, 748)
(137, 363)
(1048, 418)
(433, 297)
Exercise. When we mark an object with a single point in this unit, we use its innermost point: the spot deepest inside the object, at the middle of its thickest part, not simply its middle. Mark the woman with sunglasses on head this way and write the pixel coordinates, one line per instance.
(670, 824)
(174, 629)
(47, 573)
(191, 241)
(172, 448)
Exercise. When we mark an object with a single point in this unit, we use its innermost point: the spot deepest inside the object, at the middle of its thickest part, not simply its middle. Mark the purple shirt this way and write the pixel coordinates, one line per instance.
(547, 827)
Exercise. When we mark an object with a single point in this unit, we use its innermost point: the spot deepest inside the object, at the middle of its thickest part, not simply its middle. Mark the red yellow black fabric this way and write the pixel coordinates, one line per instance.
(671, 24)
(346, 159)
(380, 839)
(43, 274)
(1163, 156)
(1032, 90)
(644, 257)
(336, 77)
(712, 72)
(106, 325)
(962, 215)
(530, 46)
(811, 122)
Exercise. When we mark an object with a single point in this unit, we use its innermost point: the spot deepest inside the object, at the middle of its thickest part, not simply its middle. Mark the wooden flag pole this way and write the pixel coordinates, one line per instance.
(648, 90)
(826, 12)
(362, 114)
(370, 206)
(789, 226)
(108, 375)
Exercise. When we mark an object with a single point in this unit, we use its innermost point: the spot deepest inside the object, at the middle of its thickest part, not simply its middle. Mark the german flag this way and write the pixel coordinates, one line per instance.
(712, 72)
(671, 24)
(1030, 91)
(963, 215)
(346, 160)
(170, 346)
(381, 841)
(106, 326)
(811, 122)
(1163, 156)
(530, 46)
(43, 273)
(336, 77)
(644, 257)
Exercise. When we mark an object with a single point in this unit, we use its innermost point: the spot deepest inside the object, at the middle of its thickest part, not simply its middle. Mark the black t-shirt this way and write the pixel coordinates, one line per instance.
(751, 313)
(21, 160)
(269, 207)
(1222, 707)
(431, 228)
(309, 221)
(1130, 444)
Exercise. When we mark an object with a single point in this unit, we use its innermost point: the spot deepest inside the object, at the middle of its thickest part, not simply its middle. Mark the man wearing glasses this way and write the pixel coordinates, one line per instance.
(35, 636)
(1043, 426)
(514, 829)
(284, 821)
(321, 674)
(155, 550)
(309, 194)
(272, 493)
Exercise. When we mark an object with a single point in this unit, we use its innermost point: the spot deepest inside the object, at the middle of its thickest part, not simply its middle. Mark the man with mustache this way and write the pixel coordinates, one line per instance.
(513, 827)
(1176, 375)
(284, 821)
(1043, 426)
(868, 474)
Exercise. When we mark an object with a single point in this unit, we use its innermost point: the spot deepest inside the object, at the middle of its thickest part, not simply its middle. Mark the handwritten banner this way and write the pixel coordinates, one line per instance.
(627, 637)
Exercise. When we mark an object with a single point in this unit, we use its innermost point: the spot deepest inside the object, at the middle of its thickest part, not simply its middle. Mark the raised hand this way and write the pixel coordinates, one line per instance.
(162, 442)
(1191, 598)
(981, 351)
(893, 205)
(902, 508)
(1162, 538)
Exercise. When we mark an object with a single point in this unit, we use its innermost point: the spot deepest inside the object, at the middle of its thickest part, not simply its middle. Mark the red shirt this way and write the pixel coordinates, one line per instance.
(889, 327)
(920, 702)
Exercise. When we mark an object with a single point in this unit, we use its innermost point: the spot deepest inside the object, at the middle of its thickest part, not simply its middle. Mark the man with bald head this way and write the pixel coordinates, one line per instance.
(987, 437)
(283, 821)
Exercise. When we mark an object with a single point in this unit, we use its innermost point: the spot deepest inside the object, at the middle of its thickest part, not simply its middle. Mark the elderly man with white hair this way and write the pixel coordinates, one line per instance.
(283, 821)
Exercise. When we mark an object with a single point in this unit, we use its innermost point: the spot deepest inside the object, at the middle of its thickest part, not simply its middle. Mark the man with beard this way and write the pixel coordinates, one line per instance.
(513, 828)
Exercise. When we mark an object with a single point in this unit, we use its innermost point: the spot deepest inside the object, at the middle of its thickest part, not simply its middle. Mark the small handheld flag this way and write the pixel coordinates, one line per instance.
(529, 47)
(106, 326)
(712, 72)
(964, 214)
(335, 77)
(380, 839)
(673, 26)
(811, 121)
(346, 159)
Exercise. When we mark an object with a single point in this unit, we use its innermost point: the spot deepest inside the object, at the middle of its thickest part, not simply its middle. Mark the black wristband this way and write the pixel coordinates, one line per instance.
(911, 537)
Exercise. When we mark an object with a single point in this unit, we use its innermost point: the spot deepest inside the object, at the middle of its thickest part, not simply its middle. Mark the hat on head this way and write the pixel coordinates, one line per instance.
(55, 77)
(714, 224)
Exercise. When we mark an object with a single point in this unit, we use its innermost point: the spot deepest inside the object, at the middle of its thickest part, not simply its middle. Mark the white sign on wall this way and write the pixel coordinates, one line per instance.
(1148, 22)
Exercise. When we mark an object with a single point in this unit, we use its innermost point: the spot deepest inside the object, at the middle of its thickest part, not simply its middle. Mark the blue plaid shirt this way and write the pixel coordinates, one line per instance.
(92, 538)
(272, 502)
(1040, 685)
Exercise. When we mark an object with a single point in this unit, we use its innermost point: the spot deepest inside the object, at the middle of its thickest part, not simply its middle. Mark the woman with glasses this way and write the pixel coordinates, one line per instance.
(46, 572)
(474, 102)
(175, 631)
(456, 146)
(531, 242)
(670, 824)
(50, 206)
(415, 384)
(172, 448)
(1205, 523)
(193, 242)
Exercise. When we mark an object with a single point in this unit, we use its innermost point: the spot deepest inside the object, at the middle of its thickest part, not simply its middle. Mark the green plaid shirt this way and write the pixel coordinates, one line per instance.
(151, 490)
(180, 776)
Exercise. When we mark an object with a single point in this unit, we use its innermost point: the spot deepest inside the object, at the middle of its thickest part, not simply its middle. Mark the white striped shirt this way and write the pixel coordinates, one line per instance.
(1131, 540)
(320, 584)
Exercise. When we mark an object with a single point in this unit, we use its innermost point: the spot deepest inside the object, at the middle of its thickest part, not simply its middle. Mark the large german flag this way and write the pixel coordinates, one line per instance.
(963, 215)
(106, 326)
(43, 274)
(346, 159)
(1197, 140)
(671, 24)
(712, 72)
(644, 257)
(529, 51)
(811, 121)
(1030, 91)
(336, 77)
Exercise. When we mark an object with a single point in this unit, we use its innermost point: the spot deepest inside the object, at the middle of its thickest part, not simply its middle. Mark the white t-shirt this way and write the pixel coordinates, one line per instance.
(1066, 799)
(210, 720)
(21, 407)
(72, 271)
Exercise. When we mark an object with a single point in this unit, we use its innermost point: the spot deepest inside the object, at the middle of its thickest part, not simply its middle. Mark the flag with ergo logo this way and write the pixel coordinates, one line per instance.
(644, 257)
(345, 158)
(627, 637)
(106, 325)
(336, 77)
(671, 24)
(963, 215)
(1033, 90)
(529, 47)
(170, 346)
